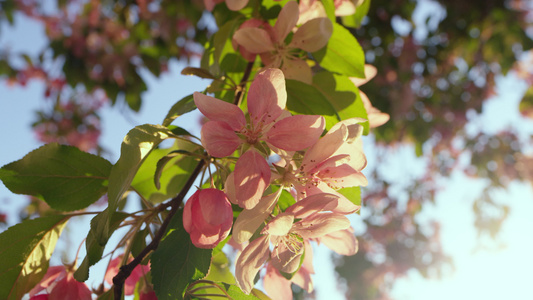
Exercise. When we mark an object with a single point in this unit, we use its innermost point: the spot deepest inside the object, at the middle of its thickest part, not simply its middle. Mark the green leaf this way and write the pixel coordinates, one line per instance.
(63, 176)
(237, 294)
(102, 226)
(353, 194)
(202, 73)
(169, 170)
(219, 269)
(355, 20)
(183, 106)
(177, 262)
(329, 6)
(342, 54)
(343, 96)
(26, 249)
(305, 99)
(137, 144)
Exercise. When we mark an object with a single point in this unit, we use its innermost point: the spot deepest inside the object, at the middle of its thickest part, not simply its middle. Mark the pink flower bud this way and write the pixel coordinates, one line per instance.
(207, 217)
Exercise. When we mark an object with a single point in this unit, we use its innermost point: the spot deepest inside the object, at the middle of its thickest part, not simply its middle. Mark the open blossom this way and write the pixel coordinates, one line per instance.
(227, 129)
(287, 232)
(334, 162)
(276, 53)
(375, 116)
(311, 9)
(59, 283)
(207, 217)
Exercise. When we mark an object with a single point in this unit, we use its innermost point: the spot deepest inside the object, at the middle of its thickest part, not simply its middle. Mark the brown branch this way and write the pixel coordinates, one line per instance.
(174, 204)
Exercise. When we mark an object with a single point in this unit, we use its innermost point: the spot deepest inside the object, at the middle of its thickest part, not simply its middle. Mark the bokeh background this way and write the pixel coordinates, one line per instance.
(447, 211)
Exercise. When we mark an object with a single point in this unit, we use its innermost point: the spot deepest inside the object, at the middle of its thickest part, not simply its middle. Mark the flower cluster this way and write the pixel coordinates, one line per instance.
(310, 169)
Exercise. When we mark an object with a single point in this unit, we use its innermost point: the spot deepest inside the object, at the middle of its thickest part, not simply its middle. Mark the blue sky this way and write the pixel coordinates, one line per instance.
(496, 274)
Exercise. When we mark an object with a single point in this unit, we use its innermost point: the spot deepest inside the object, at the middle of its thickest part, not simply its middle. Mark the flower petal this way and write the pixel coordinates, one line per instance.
(249, 262)
(267, 97)
(280, 225)
(342, 242)
(370, 72)
(250, 219)
(344, 8)
(313, 35)
(324, 148)
(311, 9)
(287, 18)
(236, 5)
(218, 110)
(219, 139)
(313, 204)
(276, 286)
(254, 40)
(287, 258)
(319, 225)
(296, 132)
(252, 177)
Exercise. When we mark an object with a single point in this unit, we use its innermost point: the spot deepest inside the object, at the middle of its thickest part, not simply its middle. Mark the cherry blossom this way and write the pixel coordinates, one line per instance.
(207, 217)
(59, 283)
(307, 219)
(273, 49)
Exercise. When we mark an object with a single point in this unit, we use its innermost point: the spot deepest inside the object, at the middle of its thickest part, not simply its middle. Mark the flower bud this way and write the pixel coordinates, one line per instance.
(207, 217)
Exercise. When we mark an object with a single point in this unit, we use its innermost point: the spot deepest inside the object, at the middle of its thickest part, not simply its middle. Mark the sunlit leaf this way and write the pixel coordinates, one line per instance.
(63, 176)
(343, 96)
(183, 106)
(305, 99)
(343, 54)
(355, 20)
(26, 249)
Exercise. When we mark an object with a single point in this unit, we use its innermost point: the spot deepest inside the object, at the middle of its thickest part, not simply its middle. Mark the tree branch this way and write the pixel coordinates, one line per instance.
(174, 204)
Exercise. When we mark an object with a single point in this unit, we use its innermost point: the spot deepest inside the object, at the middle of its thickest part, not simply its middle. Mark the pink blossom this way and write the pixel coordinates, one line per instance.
(227, 127)
(276, 53)
(335, 161)
(59, 283)
(311, 9)
(306, 219)
(131, 281)
(207, 217)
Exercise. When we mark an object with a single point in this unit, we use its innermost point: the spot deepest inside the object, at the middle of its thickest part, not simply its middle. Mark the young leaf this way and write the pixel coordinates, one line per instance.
(342, 54)
(63, 176)
(342, 94)
(177, 262)
(307, 100)
(26, 249)
(183, 106)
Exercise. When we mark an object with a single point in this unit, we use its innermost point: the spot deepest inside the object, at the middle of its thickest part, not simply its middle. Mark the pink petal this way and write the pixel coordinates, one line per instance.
(287, 18)
(276, 286)
(254, 40)
(68, 288)
(342, 176)
(215, 207)
(370, 72)
(375, 116)
(287, 258)
(320, 224)
(267, 97)
(313, 204)
(342, 242)
(344, 8)
(52, 274)
(280, 225)
(344, 206)
(229, 188)
(218, 110)
(296, 132)
(313, 35)
(249, 23)
(252, 177)
(311, 9)
(219, 139)
(236, 5)
(297, 69)
(249, 262)
(324, 148)
(249, 220)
